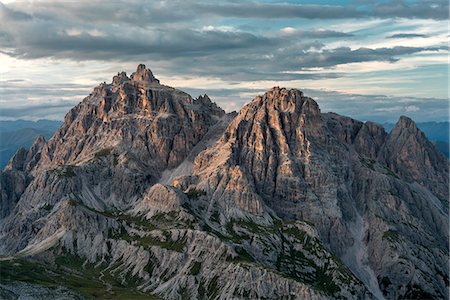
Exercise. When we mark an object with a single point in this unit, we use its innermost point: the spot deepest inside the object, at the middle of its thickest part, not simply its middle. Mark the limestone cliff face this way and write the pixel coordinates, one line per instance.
(410, 155)
(154, 122)
(15, 177)
(358, 185)
(178, 199)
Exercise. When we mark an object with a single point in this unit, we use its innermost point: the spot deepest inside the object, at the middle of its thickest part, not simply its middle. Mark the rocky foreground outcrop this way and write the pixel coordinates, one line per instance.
(146, 190)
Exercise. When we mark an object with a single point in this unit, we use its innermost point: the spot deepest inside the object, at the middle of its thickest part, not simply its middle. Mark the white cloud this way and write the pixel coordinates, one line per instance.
(73, 32)
(389, 109)
(78, 32)
(288, 30)
(219, 28)
(411, 108)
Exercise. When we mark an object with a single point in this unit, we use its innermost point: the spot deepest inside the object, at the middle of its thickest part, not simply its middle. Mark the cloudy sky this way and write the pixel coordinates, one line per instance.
(372, 60)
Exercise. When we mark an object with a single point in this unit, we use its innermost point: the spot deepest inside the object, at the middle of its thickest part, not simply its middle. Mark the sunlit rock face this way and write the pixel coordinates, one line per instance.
(174, 197)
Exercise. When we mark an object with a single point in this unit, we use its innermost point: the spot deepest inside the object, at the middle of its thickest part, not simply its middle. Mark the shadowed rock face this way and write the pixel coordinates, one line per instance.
(410, 155)
(192, 201)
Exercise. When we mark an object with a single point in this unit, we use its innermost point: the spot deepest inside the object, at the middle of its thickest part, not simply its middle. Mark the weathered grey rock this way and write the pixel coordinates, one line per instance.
(12, 185)
(278, 201)
(143, 74)
(409, 154)
(282, 155)
(154, 122)
(15, 177)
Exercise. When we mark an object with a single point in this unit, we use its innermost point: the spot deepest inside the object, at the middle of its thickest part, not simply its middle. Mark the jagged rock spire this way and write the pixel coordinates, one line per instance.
(406, 123)
(143, 74)
(120, 78)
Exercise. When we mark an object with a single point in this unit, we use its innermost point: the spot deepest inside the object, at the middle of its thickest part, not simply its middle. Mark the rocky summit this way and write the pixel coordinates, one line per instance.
(146, 192)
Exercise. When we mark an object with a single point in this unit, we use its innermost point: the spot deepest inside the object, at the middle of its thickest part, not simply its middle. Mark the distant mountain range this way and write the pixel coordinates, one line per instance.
(21, 133)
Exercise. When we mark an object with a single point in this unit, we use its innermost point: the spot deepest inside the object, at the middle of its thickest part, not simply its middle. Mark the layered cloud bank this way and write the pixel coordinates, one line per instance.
(51, 52)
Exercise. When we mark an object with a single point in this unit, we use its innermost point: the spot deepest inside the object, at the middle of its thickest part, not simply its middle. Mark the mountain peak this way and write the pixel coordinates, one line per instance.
(412, 156)
(406, 123)
(143, 74)
(282, 99)
(289, 100)
(276, 92)
(120, 78)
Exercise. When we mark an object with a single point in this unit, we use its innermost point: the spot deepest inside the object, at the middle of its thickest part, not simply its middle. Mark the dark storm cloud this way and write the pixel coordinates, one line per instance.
(280, 11)
(315, 34)
(161, 32)
(136, 13)
(313, 11)
(121, 45)
(141, 13)
(420, 10)
(406, 36)
(69, 38)
(437, 10)
(205, 51)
